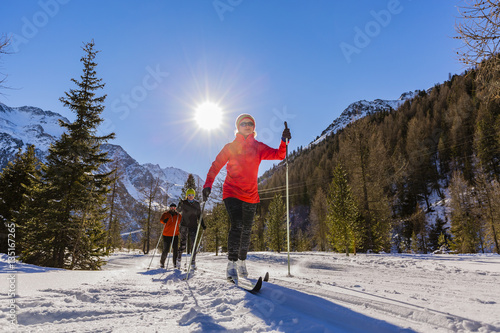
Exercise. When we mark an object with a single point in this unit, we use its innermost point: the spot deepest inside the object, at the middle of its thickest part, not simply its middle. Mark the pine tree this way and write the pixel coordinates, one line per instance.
(362, 152)
(436, 232)
(342, 213)
(276, 224)
(69, 208)
(443, 242)
(33, 219)
(190, 183)
(16, 179)
(150, 195)
(318, 220)
(114, 239)
(486, 141)
(465, 226)
(303, 241)
(488, 207)
(415, 243)
(257, 240)
(217, 222)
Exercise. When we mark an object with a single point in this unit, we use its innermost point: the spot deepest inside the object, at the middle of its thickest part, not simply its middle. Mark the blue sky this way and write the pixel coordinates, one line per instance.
(299, 61)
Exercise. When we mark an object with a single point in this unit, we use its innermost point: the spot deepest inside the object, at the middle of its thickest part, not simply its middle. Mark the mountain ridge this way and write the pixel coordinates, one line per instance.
(27, 125)
(360, 109)
(21, 126)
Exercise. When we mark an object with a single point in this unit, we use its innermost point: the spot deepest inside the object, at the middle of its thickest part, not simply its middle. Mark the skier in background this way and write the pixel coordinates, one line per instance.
(240, 193)
(172, 221)
(191, 211)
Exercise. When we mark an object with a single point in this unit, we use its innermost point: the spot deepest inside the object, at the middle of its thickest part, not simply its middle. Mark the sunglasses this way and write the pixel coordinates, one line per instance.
(190, 195)
(248, 123)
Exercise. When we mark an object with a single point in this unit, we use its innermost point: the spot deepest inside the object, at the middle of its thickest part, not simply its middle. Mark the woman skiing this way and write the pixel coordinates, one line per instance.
(191, 211)
(240, 194)
(172, 222)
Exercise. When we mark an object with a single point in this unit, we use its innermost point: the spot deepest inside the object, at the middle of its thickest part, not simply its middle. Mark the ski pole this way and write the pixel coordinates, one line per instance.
(287, 206)
(172, 242)
(194, 242)
(154, 251)
(201, 237)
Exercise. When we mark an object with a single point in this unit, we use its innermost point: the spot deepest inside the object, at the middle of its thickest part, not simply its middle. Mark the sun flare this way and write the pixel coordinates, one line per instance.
(208, 115)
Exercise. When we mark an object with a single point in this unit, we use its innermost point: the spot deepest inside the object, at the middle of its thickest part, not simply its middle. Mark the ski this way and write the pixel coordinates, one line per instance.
(266, 277)
(247, 284)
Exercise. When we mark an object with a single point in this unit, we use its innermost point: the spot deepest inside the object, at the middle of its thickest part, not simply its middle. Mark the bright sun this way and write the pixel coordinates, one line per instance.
(208, 115)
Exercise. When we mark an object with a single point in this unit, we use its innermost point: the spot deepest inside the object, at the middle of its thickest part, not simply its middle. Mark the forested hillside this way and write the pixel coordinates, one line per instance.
(443, 144)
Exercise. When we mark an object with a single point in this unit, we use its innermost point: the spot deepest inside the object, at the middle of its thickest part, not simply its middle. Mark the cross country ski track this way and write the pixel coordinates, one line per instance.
(323, 300)
(294, 304)
(356, 299)
(326, 293)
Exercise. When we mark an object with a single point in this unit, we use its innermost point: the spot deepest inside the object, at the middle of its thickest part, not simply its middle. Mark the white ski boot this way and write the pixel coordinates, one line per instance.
(242, 268)
(231, 273)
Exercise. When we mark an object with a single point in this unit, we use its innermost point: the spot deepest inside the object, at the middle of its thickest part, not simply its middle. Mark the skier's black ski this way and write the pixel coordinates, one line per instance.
(266, 277)
(247, 284)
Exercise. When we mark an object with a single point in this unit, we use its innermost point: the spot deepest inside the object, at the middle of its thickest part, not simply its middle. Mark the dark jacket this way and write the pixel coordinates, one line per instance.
(191, 212)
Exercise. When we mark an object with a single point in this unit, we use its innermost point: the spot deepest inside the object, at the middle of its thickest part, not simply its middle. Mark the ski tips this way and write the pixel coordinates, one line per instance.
(247, 284)
(258, 285)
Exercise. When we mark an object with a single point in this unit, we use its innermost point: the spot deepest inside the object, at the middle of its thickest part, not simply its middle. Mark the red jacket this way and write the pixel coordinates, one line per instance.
(171, 223)
(243, 157)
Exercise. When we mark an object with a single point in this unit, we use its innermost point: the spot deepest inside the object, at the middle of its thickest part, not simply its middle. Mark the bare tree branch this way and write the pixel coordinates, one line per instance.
(479, 30)
(4, 43)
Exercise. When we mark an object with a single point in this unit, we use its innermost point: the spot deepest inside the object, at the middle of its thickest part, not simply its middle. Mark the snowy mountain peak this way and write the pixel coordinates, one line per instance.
(175, 175)
(22, 126)
(29, 113)
(26, 125)
(362, 108)
(409, 95)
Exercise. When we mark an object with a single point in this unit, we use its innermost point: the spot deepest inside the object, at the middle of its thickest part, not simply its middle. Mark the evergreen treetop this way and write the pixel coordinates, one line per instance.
(71, 205)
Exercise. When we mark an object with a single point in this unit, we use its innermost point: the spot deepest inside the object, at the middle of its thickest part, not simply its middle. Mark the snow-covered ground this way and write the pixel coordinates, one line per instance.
(327, 292)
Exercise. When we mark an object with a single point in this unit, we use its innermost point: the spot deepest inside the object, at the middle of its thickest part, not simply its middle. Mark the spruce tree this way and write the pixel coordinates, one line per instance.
(71, 202)
(114, 239)
(465, 226)
(16, 180)
(318, 220)
(257, 240)
(487, 145)
(342, 214)
(487, 193)
(217, 222)
(190, 183)
(436, 234)
(276, 224)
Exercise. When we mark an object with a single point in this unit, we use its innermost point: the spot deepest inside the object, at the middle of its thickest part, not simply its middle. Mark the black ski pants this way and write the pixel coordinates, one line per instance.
(185, 233)
(167, 241)
(241, 215)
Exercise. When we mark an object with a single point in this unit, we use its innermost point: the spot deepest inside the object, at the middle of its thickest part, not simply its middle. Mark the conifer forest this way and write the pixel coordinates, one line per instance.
(418, 179)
